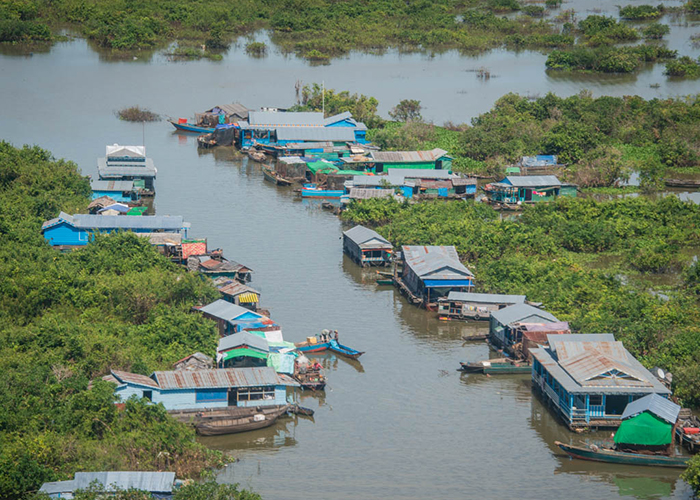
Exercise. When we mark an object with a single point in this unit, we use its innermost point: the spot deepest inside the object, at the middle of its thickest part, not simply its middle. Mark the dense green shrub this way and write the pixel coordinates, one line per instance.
(684, 67)
(607, 59)
(637, 12)
(655, 31)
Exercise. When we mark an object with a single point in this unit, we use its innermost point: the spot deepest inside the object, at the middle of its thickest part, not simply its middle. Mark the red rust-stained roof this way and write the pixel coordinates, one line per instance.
(218, 378)
(134, 378)
(234, 288)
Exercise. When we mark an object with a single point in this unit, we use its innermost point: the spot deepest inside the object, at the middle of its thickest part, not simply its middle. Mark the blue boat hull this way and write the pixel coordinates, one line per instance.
(321, 193)
(314, 347)
(344, 350)
(187, 127)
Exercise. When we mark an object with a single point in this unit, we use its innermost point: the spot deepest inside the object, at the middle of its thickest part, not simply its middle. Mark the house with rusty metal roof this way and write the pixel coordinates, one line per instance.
(431, 272)
(589, 379)
(238, 293)
(367, 247)
(204, 389)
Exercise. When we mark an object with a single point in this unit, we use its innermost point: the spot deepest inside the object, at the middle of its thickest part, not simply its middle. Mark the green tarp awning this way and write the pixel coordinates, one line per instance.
(645, 429)
(239, 353)
(321, 166)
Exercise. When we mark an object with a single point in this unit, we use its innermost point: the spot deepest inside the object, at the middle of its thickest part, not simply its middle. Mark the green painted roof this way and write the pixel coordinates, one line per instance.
(239, 353)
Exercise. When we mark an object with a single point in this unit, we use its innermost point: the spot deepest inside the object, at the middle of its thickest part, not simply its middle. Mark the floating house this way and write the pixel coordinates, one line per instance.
(323, 149)
(431, 272)
(75, 230)
(417, 183)
(648, 424)
(214, 265)
(367, 247)
(464, 305)
(128, 163)
(589, 379)
(503, 326)
(222, 114)
(204, 389)
(238, 293)
(158, 484)
(381, 161)
(280, 128)
(122, 191)
(231, 319)
(518, 189)
(242, 350)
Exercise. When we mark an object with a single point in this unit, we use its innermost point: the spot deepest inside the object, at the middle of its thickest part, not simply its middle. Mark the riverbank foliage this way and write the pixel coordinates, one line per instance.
(66, 319)
(327, 27)
(600, 139)
(684, 67)
(642, 12)
(607, 59)
(556, 253)
(207, 490)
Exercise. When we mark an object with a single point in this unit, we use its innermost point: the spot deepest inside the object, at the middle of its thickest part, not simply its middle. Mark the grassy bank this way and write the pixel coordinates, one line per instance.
(66, 319)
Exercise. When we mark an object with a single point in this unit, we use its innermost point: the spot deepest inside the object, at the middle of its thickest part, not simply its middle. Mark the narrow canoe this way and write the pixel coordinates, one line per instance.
(344, 350)
(306, 347)
(320, 193)
(618, 457)
(495, 367)
(232, 420)
(189, 127)
(682, 183)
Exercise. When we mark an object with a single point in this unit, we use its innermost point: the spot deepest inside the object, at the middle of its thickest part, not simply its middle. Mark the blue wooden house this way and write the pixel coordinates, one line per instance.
(280, 128)
(202, 389)
(117, 190)
(367, 247)
(503, 331)
(76, 230)
(232, 318)
(432, 272)
(590, 379)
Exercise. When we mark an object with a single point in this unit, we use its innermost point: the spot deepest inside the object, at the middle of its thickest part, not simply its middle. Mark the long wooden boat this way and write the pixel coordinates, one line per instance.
(682, 183)
(317, 347)
(191, 127)
(344, 350)
(470, 338)
(218, 421)
(256, 155)
(272, 176)
(496, 366)
(597, 454)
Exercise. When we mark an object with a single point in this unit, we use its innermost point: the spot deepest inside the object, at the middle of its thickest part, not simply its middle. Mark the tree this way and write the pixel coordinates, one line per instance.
(407, 110)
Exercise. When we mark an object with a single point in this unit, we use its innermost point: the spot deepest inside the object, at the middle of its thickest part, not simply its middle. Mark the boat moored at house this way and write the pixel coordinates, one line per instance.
(207, 121)
(589, 379)
(367, 247)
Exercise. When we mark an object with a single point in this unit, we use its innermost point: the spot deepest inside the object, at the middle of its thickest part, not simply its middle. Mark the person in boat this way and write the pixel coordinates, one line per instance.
(316, 366)
(335, 335)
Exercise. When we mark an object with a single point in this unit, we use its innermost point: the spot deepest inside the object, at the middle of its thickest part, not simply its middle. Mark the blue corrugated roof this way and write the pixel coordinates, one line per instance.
(659, 406)
(226, 311)
(152, 222)
(154, 482)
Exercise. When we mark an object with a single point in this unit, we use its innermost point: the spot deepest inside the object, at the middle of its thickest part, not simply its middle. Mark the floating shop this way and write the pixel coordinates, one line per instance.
(589, 379)
(367, 247)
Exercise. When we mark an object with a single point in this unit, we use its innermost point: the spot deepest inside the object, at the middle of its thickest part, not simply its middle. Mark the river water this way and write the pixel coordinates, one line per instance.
(402, 424)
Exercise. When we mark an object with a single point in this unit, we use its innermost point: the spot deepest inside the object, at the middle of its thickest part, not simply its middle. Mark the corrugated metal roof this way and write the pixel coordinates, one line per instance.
(134, 378)
(408, 156)
(162, 238)
(121, 186)
(592, 368)
(118, 169)
(557, 326)
(532, 180)
(538, 161)
(658, 405)
(58, 487)
(155, 482)
(243, 338)
(154, 222)
(273, 119)
(464, 181)
(486, 298)
(363, 235)
(115, 150)
(235, 108)
(226, 311)
(218, 378)
(335, 134)
(338, 118)
(435, 262)
(366, 194)
(233, 287)
(547, 358)
(519, 312)
(291, 160)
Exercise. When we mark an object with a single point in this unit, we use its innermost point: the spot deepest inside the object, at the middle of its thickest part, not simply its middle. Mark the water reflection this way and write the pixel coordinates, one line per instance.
(282, 433)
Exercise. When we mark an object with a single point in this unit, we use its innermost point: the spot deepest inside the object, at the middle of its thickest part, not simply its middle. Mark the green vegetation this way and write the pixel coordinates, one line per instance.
(190, 52)
(552, 4)
(683, 67)
(137, 114)
(602, 30)
(556, 253)
(256, 49)
(607, 59)
(363, 108)
(208, 490)
(66, 319)
(407, 110)
(655, 31)
(309, 29)
(641, 12)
